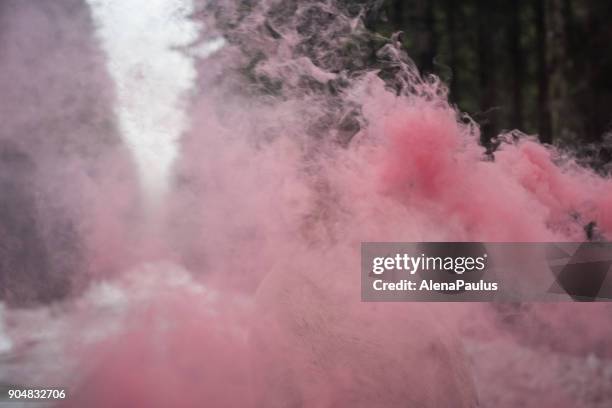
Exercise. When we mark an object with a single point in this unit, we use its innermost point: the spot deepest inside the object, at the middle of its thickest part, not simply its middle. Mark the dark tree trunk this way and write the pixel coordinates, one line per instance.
(451, 21)
(544, 119)
(518, 63)
(398, 14)
(569, 24)
(486, 73)
(432, 46)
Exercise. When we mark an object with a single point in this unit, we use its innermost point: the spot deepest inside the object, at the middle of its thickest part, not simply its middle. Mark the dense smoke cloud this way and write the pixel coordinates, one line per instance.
(308, 135)
(61, 154)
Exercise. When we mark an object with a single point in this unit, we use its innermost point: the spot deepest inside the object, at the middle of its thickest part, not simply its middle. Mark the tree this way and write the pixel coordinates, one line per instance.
(544, 119)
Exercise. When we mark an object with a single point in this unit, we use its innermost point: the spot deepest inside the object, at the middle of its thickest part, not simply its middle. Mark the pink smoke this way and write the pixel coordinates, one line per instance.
(249, 293)
(288, 241)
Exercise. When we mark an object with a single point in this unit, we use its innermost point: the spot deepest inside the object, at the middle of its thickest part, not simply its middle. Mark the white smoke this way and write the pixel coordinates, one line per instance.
(145, 42)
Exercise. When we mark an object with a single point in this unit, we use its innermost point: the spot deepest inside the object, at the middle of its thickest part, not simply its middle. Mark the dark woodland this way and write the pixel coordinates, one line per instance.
(539, 66)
